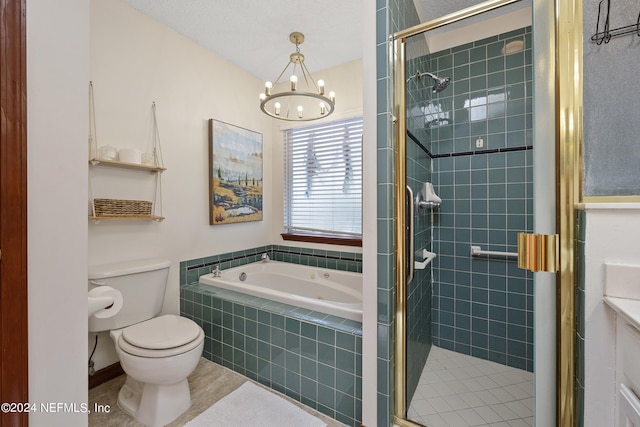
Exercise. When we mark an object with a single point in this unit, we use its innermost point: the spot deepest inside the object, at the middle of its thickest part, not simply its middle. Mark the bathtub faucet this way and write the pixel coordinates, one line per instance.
(265, 257)
(217, 272)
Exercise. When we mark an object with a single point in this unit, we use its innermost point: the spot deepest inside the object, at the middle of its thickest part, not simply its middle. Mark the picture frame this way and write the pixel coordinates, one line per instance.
(235, 174)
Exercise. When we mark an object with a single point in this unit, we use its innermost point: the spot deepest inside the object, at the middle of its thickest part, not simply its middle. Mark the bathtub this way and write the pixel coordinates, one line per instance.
(334, 292)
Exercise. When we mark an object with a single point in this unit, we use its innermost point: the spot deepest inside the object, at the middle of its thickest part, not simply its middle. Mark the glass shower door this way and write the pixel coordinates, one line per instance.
(469, 318)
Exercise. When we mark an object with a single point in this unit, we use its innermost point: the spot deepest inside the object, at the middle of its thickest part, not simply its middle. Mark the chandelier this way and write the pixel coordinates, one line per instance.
(297, 103)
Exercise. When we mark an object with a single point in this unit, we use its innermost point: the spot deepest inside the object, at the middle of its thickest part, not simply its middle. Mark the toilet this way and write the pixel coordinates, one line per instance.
(157, 353)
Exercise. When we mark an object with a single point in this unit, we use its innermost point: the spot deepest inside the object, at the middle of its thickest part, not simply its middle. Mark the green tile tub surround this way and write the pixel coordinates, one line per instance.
(191, 270)
(311, 357)
(283, 347)
(483, 307)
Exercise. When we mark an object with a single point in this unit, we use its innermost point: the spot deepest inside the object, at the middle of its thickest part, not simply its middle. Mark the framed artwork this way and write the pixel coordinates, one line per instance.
(235, 174)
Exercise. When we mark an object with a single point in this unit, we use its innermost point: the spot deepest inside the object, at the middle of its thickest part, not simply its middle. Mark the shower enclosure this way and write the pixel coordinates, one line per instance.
(466, 120)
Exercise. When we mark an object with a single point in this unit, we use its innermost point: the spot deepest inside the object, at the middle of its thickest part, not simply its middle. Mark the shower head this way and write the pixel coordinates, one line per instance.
(439, 83)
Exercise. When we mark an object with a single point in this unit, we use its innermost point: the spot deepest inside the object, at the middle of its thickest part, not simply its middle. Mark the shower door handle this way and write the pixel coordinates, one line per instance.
(410, 239)
(539, 252)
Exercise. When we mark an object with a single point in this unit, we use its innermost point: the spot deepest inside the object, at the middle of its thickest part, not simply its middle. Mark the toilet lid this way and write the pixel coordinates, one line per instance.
(162, 332)
(198, 343)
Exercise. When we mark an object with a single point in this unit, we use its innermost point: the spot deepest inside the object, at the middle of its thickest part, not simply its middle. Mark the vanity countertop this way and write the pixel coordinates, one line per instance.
(629, 309)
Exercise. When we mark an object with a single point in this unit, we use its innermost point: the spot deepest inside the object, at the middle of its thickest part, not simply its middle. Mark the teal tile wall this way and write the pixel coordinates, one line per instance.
(579, 269)
(385, 217)
(391, 16)
(490, 96)
(420, 290)
(419, 171)
(483, 306)
(311, 357)
(299, 356)
(423, 106)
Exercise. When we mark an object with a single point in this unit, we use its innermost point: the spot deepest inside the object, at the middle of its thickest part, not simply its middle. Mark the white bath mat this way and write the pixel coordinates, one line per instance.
(251, 406)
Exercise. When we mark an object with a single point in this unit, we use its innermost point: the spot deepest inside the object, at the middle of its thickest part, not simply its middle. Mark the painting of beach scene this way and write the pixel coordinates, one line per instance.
(235, 174)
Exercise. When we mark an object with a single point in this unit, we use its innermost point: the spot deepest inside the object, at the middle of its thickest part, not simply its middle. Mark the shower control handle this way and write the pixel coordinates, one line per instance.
(410, 235)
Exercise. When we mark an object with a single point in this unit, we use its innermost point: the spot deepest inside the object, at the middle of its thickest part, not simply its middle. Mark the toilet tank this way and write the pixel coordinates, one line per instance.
(142, 284)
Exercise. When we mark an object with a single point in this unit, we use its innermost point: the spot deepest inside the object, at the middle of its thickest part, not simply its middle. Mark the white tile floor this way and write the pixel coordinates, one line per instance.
(456, 390)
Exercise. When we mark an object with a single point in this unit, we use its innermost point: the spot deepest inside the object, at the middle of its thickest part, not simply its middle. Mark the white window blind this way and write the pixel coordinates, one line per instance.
(323, 179)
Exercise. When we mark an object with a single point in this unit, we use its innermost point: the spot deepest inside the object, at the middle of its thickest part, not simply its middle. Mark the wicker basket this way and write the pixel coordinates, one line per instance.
(117, 207)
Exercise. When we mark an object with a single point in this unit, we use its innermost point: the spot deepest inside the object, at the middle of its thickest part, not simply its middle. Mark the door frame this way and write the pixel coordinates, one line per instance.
(14, 359)
(566, 90)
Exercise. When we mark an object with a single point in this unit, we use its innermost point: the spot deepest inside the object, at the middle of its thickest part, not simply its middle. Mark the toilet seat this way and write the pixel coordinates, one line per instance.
(163, 336)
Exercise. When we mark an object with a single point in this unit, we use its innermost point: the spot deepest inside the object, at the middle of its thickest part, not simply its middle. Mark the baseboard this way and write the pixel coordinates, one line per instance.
(105, 374)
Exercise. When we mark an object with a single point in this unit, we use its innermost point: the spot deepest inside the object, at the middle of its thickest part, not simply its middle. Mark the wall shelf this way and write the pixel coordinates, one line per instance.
(157, 170)
(110, 209)
(97, 219)
(124, 165)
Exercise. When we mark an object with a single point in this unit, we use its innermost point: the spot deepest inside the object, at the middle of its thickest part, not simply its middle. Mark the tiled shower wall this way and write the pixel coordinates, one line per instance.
(391, 16)
(418, 164)
(483, 306)
(419, 291)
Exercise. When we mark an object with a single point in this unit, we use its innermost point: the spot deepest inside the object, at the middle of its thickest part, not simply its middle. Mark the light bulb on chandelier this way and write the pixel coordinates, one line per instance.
(297, 99)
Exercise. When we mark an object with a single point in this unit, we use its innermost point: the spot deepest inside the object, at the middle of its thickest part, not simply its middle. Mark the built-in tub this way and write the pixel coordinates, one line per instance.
(334, 292)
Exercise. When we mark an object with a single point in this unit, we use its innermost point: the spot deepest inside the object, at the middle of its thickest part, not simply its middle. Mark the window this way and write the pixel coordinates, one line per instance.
(323, 183)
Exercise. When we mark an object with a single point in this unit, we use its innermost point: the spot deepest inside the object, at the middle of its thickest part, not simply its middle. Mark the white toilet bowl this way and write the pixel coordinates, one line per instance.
(158, 355)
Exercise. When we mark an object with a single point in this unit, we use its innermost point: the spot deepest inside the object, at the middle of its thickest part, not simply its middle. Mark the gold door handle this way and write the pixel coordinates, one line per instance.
(538, 252)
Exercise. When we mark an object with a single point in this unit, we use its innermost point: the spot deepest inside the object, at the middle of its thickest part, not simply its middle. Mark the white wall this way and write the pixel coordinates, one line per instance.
(136, 61)
(612, 234)
(57, 75)
(369, 221)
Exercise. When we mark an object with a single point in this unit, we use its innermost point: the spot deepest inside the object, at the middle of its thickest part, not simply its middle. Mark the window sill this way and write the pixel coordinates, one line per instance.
(344, 241)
